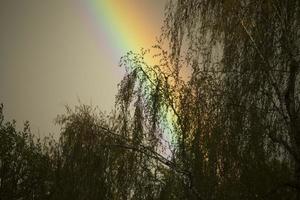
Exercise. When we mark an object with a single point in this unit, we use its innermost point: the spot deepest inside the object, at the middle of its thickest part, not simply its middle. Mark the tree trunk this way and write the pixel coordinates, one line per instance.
(294, 121)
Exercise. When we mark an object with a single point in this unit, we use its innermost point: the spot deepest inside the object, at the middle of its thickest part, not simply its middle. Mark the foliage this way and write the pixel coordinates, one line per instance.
(228, 92)
(25, 167)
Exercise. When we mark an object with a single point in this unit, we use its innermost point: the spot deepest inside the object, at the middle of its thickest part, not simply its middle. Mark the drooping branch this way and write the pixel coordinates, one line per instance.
(125, 144)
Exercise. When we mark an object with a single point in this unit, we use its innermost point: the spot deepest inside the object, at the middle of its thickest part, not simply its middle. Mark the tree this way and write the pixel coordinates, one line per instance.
(236, 115)
(252, 50)
(226, 87)
(101, 158)
(25, 167)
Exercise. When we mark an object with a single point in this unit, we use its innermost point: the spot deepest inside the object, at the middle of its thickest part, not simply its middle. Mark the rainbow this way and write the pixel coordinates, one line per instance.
(120, 27)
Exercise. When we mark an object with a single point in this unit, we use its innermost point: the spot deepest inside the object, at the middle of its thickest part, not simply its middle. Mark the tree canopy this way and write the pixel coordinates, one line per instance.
(217, 117)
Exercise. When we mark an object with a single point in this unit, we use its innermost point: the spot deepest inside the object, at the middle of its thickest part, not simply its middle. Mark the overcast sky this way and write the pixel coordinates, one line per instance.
(51, 55)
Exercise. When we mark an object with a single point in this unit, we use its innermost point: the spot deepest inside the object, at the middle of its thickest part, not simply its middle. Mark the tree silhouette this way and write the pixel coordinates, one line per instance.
(226, 88)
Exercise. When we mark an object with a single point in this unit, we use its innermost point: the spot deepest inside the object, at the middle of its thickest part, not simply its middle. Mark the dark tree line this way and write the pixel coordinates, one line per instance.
(226, 87)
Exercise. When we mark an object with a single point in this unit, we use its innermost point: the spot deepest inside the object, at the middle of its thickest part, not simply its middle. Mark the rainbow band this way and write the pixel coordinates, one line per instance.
(120, 26)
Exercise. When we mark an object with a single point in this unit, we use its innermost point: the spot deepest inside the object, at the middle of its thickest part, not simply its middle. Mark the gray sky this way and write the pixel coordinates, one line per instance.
(50, 56)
